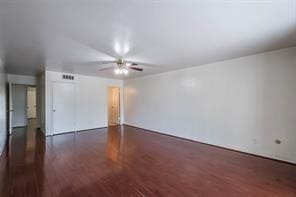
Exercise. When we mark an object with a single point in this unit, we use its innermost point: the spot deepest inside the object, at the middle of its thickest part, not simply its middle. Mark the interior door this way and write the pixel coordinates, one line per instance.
(31, 102)
(63, 108)
(114, 99)
(18, 107)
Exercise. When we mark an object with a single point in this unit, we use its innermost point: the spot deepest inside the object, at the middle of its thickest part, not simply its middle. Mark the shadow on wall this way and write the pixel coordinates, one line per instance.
(3, 123)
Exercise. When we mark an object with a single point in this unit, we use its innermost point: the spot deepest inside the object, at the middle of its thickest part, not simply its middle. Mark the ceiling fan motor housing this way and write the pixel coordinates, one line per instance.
(120, 62)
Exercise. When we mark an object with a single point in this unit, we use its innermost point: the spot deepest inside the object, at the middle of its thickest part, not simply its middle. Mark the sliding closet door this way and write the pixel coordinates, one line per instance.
(63, 108)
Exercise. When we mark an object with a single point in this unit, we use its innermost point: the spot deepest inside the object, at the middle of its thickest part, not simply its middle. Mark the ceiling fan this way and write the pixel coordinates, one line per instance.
(121, 66)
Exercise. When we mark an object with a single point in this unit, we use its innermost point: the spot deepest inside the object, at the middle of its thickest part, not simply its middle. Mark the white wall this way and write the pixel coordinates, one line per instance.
(91, 100)
(3, 130)
(243, 104)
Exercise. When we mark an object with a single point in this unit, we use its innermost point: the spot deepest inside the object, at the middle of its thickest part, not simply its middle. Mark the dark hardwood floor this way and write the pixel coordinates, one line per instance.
(132, 162)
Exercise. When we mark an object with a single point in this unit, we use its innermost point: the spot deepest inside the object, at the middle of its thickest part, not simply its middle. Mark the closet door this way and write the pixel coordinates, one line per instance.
(63, 107)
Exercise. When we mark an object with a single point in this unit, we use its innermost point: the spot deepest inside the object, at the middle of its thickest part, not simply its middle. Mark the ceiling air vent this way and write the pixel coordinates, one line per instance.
(68, 77)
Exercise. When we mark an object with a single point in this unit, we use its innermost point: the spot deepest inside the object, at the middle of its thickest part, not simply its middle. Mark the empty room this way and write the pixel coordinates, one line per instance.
(142, 98)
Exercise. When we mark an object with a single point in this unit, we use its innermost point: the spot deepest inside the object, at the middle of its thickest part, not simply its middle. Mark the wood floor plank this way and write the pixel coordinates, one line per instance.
(127, 161)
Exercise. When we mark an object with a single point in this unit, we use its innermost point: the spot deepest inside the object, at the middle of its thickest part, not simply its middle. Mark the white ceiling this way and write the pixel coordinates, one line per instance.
(63, 34)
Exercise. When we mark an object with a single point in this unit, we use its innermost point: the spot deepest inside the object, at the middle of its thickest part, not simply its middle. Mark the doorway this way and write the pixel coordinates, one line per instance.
(22, 105)
(113, 106)
(31, 102)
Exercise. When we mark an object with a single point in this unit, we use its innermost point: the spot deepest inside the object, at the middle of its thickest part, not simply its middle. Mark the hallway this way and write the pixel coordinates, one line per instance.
(126, 161)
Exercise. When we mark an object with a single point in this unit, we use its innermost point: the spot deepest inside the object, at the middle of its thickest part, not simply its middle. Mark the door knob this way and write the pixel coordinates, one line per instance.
(54, 110)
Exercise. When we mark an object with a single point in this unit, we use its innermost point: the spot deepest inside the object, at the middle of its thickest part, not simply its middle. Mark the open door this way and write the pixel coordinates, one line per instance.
(113, 106)
(10, 108)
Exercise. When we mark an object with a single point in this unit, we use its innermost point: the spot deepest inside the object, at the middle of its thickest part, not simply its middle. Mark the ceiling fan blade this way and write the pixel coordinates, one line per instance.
(136, 63)
(129, 63)
(108, 68)
(104, 62)
(98, 63)
(90, 63)
(135, 68)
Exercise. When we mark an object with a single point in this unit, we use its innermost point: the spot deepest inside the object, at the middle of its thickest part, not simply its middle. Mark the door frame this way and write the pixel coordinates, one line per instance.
(119, 104)
(51, 105)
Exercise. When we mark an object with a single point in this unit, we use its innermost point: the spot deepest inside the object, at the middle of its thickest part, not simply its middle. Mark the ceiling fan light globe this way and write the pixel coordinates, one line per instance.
(125, 71)
(117, 71)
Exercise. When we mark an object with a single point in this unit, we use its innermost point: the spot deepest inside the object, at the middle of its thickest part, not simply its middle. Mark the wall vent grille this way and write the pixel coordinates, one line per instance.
(68, 77)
